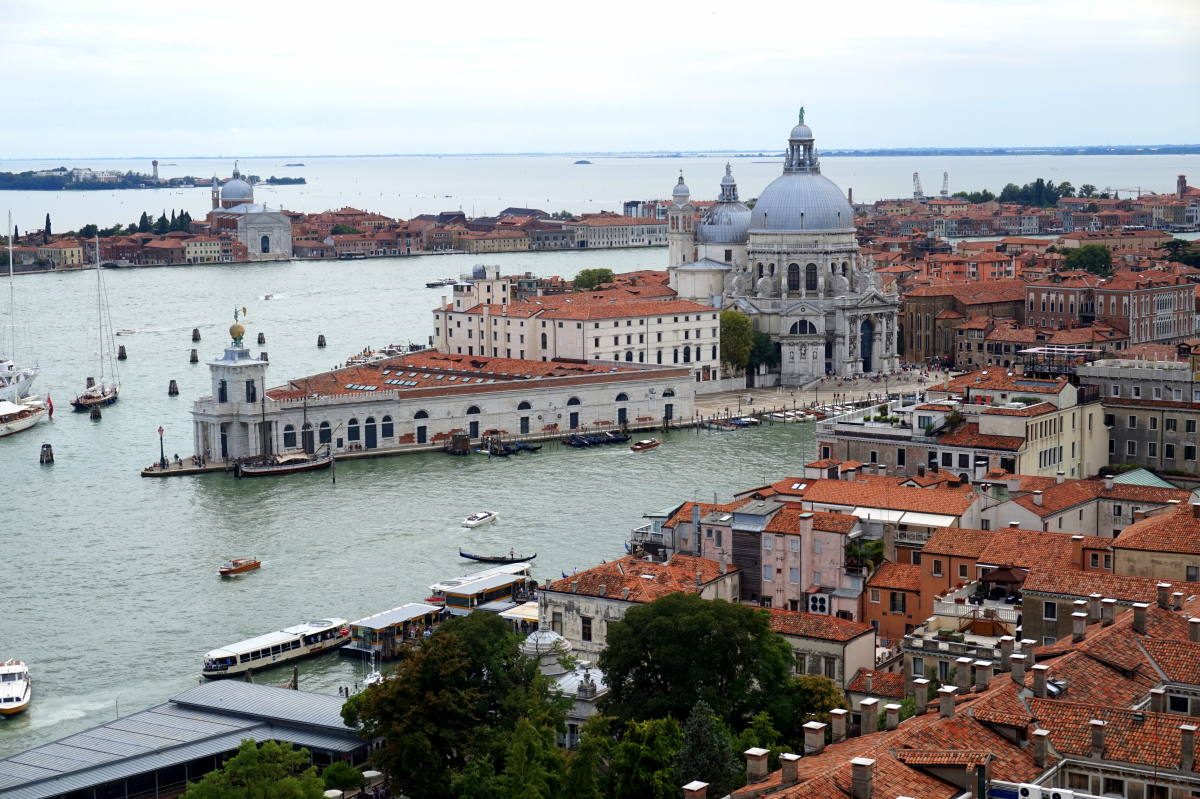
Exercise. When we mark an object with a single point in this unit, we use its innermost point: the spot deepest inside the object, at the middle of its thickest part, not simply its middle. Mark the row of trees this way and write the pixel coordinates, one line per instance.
(145, 224)
(1041, 193)
(743, 347)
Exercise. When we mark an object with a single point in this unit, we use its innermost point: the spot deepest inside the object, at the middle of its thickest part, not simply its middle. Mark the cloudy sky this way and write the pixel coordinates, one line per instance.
(274, 78)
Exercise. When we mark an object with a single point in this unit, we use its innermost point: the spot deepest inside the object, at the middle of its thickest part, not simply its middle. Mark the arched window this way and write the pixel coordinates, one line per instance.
(289, 436)
(473, 410)
(687, 354)
(760, 270)
(352, 430)
(629, 355)
(622, 397)
(543, 341)
(670, 392)
(524, 406)
(793, 277)
(387, 429)
(421, 415)
(325, 433)
(222, 391)
(574, 401)
(676, 355)
(802, 327)
(810, 277)
(265, 244)
(658, 356)
(714, 352)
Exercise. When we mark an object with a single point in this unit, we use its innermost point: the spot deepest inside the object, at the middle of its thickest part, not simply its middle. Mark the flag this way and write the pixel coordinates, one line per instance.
(50, 405)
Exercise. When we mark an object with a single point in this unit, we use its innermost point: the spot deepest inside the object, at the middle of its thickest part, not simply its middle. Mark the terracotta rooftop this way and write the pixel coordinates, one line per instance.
(997, 379)
(968, 435)
(1130, 736)
(646, 580)
(883, 683)
(787, 520)
(817, 625)
(873, 491)
(1057, 497)
(899, 576)
(1176, 531)
(1029, 410)
(1010, 546)
(1122, 587)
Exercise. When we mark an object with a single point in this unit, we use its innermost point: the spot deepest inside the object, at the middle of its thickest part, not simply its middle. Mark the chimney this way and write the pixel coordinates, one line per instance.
(787, 764)
(695, 790)
(837, 724)
(1187, 747)
(1108, 484)
(1039, 680)
(1158, 700)
(1194, 630)
(1108, 611)
(862, 775)
(946, 701)
(1015, 525)
(920, 470)
(983, 673)
(1007, 642)
(1177, 600)
(1060, 478)
(1041, 747)
(869, 715)
(602, 590)
(756, 764)
(1097, 737)
(891, 715)
(1139, 617)
(1196, 510)
(1037, 498)
(574, 586)
(1078, 626)
(625, 593)
(869, 683)
(1164, 595)
(1077, 552)
(921, 694)
(699, 579)
(1094, 607)
(814, 738)
(962, 674)
(1139, 515)
(1018, 669)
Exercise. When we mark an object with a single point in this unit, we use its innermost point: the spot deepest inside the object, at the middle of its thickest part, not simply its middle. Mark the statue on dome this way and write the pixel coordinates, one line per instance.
(801, 115)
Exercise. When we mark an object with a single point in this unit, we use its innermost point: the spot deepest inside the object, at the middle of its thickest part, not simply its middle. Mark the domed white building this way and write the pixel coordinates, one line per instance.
(792, 264)
(267, 234)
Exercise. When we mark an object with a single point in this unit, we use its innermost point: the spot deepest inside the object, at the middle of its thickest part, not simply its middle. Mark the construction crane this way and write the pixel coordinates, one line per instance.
(917, 193)
(945, 184)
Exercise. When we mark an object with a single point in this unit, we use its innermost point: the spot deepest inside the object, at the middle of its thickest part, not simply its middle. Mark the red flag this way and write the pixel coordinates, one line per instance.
(50, 405)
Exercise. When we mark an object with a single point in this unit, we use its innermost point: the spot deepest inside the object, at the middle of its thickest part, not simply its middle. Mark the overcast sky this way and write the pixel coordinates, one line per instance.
(266, 78)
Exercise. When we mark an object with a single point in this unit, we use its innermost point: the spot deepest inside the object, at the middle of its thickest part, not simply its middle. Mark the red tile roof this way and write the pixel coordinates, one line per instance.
(899, 576)
(1176, 531)
(1011, 546)
(1057, 497)
(787, 520)
(646, 580)
(1130, 736)
(873, 491)
(968, 435)
(1029, 410)
(1077, 583)
(883, 683)
(1179, 661)
(817, 625)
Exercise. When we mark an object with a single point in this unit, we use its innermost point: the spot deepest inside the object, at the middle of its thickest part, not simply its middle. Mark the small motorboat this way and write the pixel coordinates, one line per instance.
(238, 566)
(511, 557)
(479, 518)
(16, 687)
(287, 463)
(645, 444)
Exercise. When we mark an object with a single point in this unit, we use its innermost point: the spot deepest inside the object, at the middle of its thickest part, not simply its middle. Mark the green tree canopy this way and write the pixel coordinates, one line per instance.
(161, 225)
(737, 338)
(144, 224)
(643, 762)
(1095, 258)
(1184, 252)
(344, 230)
(707, 753)
(588, 279)
(89, 231)
(342, 776)
(270, 771)
(665, 655)
(763, 351)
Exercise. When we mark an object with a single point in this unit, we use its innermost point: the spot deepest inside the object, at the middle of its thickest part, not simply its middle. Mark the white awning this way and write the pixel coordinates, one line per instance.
(878, 514)
(524, 612)
(927, 519)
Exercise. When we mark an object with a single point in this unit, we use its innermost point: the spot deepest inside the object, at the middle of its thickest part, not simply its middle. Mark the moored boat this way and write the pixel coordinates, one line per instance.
(285, 463)
(511, 557)
(302, 640)
(99, 394)
(16, 687)
(645, 444)
(17, 417)
(480, 517)
(238, 566)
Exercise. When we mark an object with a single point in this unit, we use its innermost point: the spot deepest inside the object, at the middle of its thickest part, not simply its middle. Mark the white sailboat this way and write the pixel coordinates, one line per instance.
(99, 392)
(15, 417)
(16, 382)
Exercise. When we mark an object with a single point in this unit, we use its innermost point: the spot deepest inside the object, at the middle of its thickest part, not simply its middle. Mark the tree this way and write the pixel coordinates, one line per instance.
(89, 231)
(533, 764)
(1095, 258)
(588, 279)
(763, 351)
(270, 771)
(344, 230)
(707, 752)
(762, 733)
(1181, 251)
(582, 779)
(1087, 190)
(161, 225)
(737, 338)
(642, 765)
(1065, 189)
(814, 696)
(342, 776)
(665, 655)
(46, 231)
(143, 225)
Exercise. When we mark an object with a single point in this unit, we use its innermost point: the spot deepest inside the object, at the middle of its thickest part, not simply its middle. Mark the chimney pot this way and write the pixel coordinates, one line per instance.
(603, 590)
(1039, 680)
(1094, 607)
(869, 682)
(1108, 484)
(1060, 478)
(624, 593)
(1177, 600)
(837, 724)
(1108, 610)
(1187, 747)
(891, 716)
(1018, 669)
(862, 777)
(1041, 747)
(921, 694)
(983, 673)
(788, 762)
(756, 764)
(1007, 642)
(1078, 626)
(695, 790)
(814, 738)
(1158, 700)
(962, 674)
(1097, 737)
(946, 701)
(869, 715)
(1037, 498)
(1194, 630)
(1196, 510)
(1164, 595)
(1139, 617)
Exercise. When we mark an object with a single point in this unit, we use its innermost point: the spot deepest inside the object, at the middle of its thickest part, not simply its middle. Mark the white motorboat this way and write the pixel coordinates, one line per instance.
(15, 417)
(480, 518)
(16, 687)
(301, 640)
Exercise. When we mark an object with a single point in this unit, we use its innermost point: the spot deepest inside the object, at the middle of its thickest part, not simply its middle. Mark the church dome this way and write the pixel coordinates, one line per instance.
(544, 642)
(728, 220)
(802, 201)
(681, 192)
(237, 189)
(801, 132)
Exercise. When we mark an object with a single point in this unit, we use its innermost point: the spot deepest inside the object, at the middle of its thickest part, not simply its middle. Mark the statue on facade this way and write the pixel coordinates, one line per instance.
(767, 287)
(841, 286)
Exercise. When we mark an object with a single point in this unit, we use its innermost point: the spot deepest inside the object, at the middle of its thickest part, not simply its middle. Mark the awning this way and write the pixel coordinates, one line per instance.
(927, 519)
(524, 612)
(1003, 575)
(878, 514)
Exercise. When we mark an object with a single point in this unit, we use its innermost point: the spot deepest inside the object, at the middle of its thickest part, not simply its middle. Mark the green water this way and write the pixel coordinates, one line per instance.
(111, 593)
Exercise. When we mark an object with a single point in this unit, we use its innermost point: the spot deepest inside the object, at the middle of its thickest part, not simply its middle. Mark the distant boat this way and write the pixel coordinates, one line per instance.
(293, 164)
(511, 557)
(288, 463)
(99, 394)
(238, 566)
(583, 161)
(482, 517)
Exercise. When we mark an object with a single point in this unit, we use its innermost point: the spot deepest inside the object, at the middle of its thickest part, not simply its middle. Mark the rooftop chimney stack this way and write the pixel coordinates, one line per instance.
(1041, 747)
(946, 701)
(1018, 669)
(1139, 617)
(756, 764)
(1039, 680)
(1176, 600)
(1158, 700)
(1194, 630)
(1037, 498)
(1094, 607)
(869, 714)
(1015, 525)
(921, 694)
(837, 724)
(983, 673)
(891, 716)
(1164, 595)
(962, 674)
(1078, 626)
(1097, 737)
(1108, 611)
(814, 738)
(695, 790)
(1007, 642)
(1187, 747)
(1108, 484)
(788, 771)
(869, 682)
(861, 778)
(1060, 478)
(1196, 510)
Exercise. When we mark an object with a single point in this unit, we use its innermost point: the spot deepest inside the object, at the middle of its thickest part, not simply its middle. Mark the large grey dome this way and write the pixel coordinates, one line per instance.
(801, 201)
(725, 223)
(237, 189)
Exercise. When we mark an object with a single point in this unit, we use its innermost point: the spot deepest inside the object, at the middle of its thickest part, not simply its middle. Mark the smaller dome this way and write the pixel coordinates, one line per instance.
(236, 331)
(543, 642)
(237, 189)
(802, 132)
(681, 191)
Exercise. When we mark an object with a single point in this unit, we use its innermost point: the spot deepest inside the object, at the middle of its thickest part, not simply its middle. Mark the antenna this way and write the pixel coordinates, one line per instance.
(945, 184)
(918, 194)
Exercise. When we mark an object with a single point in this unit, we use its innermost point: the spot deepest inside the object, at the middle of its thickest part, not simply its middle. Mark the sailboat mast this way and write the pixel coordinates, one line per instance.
(100, 311)
(12, 297)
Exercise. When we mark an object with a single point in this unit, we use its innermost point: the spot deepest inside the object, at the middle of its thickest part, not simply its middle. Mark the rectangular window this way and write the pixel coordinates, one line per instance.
(937, 567)
(831, 667)
(556, 622)
(1189, 426)
(1118, 511)
(1152, 449)
(1047, 640)
(897, 603)
(875, 596)
(768, 543)
(793, 575)
(1170, 425)
(918, 667)
(900, 457)
(1131, 448)
(1177, 704)
(1153, 422)
(962, 571)
(1095, 560)
(794, 543)
(1131, 423)
(768, 573)
(1192, 574)
(947, 458)
(874, 456)
(1189, 452)
(1049, 611)
(585, 628)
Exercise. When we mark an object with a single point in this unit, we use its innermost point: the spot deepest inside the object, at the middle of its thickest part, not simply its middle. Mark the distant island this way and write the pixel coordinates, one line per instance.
(83, 179)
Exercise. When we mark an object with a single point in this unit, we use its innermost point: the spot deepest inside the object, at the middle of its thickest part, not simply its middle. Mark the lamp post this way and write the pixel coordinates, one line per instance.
(162, 455)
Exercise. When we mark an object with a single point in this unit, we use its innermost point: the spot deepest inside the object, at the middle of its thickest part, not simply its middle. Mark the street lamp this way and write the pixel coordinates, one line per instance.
(162, 455)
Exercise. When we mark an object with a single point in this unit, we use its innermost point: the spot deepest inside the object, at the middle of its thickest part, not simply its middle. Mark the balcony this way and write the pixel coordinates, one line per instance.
(646, 535)
(989, 610)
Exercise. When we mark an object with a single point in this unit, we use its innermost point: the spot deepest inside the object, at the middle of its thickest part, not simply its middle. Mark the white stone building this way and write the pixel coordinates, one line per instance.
(792, 264)
(267, 234)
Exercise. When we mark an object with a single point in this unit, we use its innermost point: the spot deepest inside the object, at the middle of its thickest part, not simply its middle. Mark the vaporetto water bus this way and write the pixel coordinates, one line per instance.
(301, 640)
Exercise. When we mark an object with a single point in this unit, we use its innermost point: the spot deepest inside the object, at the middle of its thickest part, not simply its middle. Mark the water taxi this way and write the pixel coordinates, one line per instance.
(645, 444)
(302, 640)
(480, 518)
(16, 687)
(238, 566)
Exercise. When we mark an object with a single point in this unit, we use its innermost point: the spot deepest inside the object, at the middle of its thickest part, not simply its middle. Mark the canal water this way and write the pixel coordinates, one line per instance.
(110, 591)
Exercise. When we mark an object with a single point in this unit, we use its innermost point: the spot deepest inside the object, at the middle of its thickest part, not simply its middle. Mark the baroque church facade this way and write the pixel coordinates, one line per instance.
(267, 234)
(792, 265)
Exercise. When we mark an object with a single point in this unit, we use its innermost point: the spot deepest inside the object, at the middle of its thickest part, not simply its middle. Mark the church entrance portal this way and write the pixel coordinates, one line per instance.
(867, 345)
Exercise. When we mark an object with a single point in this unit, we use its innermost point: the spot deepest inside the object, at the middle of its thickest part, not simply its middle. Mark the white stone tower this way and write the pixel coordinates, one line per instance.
(681, 226)
(238, 386)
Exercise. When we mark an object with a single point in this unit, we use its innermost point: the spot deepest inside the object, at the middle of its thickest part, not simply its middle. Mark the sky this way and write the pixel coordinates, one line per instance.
(257, 77)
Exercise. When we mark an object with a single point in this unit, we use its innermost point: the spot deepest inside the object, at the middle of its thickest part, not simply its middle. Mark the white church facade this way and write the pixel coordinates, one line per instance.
(792, 264)
(267, 234)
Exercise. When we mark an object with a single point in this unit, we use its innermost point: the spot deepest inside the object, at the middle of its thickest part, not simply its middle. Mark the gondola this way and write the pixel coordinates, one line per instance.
(511, 557)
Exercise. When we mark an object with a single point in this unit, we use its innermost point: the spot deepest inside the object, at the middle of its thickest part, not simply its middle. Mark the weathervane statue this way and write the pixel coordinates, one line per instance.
(801, 115)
